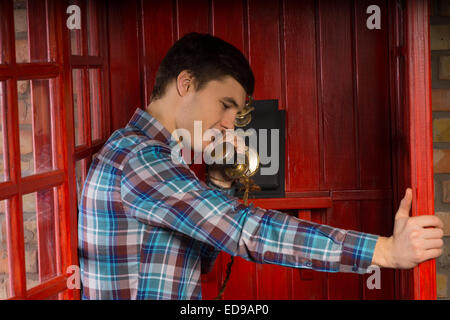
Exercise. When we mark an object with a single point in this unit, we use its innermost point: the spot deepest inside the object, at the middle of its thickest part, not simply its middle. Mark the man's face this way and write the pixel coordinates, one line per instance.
(215, 105)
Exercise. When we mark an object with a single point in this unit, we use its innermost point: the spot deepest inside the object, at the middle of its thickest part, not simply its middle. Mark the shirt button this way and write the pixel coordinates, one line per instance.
(355, 267)
(308, 263)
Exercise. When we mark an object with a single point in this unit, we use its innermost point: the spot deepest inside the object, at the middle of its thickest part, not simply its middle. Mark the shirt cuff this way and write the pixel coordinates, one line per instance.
(357, 251)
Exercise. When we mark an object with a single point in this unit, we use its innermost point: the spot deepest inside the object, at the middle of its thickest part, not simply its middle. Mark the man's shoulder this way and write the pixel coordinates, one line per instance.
(126, 143)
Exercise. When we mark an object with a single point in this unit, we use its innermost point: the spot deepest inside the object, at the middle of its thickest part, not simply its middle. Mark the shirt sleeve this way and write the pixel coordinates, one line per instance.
(209, 253)
(157, 191)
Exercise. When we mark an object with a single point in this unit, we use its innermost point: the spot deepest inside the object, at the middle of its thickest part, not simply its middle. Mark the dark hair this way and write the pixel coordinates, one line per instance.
(207, 58)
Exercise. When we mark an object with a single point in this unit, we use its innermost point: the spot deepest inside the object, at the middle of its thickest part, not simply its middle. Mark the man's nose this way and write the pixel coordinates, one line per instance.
(228, 122)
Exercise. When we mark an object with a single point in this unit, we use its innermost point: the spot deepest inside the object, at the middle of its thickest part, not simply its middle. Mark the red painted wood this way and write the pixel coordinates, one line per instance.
(372, 98)
(37, 31)
(303, 165)
(292, 203)
(221, 26)
(124, 62)
(265, 59)
(399, 127)
(375, 220)
(308, 284)
(344, 214)
(156, 40)
(192, 16)
(340, 167)
(420, 143)
(264, 48)
(16, 252)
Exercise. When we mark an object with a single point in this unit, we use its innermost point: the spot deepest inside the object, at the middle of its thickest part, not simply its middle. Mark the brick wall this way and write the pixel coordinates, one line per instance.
(440, 68)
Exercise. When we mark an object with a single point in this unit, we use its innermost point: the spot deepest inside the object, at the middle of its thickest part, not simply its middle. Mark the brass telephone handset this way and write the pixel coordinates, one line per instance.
(242, 172)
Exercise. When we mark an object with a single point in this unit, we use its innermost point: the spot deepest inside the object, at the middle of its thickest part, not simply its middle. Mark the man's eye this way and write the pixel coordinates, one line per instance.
(225, 106)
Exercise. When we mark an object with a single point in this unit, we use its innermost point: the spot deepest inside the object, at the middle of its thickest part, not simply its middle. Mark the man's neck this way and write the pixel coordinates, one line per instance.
(159, 110)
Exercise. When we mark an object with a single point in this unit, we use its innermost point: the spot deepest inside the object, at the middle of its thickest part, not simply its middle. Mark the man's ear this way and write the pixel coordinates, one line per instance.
(185, 83)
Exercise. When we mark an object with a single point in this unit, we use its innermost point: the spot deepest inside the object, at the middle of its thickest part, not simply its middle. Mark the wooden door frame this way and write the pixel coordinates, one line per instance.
(413, 141)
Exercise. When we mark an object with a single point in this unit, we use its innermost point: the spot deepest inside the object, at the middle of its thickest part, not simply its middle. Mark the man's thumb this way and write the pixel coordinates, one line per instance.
(405, 205)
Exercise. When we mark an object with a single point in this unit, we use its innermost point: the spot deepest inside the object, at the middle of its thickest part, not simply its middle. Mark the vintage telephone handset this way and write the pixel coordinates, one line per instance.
(243, 173)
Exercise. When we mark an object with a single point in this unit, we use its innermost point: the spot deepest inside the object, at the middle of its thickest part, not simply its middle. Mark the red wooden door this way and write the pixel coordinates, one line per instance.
(336, 80)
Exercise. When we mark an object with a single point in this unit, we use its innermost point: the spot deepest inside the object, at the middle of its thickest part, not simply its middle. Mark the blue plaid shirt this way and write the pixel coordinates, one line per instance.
(148, 227)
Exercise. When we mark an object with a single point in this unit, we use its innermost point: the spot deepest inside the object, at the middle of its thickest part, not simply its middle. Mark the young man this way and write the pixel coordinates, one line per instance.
(148, 227)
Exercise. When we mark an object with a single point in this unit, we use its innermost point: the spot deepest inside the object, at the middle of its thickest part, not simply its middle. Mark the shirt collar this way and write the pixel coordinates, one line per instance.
(151, 127)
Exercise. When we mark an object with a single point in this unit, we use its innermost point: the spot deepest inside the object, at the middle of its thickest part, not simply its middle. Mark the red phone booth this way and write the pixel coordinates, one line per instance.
(358, 124)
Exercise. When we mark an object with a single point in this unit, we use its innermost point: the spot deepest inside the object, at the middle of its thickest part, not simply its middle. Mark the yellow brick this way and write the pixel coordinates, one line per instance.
(440, 37)
(441, 159)
(441, 130)
(26, 141)
(441, 99)
(22, 88)
(441, 285)
(27, 167)
(30, 231)
(3, 235)
(4, 269)
(22, 51)
(31, 261)
(25, 115)
(444, 67)
(29, 202)
(4, 289)
(2, 170)
(445, 217)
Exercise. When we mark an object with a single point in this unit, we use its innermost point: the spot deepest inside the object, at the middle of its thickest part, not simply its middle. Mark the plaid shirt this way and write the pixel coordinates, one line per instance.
(148, 227)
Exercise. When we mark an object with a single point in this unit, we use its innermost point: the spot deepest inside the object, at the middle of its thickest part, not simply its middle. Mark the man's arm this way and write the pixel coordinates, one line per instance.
(157, 191)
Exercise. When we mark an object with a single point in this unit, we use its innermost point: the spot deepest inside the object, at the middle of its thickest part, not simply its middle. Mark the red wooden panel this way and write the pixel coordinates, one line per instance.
(420, 143)
(193, 16)
(302, 150)
(158, 37)
(221, 26)
(292, 203)
(375, 219)
(372, 57)
(344, 285)
(265, 59)
(4, 36)
(264, 49)
(337, 95)
(308, 284)
(212, 281)
(242, 284)
(125, 73)
(37, 30)
(92, 28)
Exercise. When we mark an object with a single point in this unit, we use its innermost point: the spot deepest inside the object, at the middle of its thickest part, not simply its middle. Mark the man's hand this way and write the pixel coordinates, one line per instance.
(415, 239)
(217, 173)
